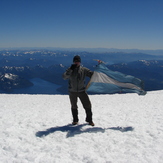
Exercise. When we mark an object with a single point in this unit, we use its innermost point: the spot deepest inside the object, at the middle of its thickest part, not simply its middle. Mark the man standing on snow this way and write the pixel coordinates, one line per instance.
(76, 75)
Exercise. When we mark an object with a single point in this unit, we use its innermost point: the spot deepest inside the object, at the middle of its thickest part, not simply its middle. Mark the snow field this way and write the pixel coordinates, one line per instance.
(36, 129)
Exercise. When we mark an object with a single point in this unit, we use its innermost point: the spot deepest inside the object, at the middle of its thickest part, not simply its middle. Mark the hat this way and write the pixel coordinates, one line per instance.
(76, 59)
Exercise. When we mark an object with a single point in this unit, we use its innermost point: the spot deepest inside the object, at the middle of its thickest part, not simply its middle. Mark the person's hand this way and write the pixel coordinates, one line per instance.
(73, 66)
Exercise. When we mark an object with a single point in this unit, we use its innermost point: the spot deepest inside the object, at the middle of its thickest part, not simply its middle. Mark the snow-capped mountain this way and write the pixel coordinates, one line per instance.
(9, 81)
(49, 65)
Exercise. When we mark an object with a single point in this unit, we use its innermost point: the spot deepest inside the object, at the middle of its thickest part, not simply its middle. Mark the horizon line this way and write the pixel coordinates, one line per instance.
(4, 48)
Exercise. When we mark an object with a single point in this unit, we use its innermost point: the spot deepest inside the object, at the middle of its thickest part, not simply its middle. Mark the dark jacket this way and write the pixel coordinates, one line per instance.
(77, 78)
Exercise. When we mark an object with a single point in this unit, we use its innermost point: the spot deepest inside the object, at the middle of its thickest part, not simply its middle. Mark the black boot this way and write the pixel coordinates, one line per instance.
(75, 116)
(88, 115)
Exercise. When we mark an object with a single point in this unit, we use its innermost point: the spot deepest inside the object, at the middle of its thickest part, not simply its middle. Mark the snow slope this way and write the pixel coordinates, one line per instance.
(36, 129)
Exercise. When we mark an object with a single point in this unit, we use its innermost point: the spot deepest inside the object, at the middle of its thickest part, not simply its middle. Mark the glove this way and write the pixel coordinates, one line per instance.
(73, 66)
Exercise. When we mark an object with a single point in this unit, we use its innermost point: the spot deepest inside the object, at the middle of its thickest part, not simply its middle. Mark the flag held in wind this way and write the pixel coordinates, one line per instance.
(105, 81)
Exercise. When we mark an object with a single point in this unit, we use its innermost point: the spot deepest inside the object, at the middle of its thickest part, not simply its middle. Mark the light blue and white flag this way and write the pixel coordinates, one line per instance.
(105, 81)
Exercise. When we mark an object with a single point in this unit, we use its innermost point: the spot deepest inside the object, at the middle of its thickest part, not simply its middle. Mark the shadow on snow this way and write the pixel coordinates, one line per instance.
(122, 129)
(77, 129)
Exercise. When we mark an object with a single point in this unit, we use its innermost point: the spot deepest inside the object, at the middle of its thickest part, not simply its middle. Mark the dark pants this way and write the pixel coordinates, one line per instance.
(85, 102)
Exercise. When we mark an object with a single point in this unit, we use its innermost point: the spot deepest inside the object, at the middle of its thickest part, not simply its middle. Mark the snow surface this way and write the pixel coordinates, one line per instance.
(36, 129)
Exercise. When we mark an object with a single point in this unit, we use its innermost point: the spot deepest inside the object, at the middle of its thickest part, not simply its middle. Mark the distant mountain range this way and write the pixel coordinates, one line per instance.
(17, 67)
(91, 50)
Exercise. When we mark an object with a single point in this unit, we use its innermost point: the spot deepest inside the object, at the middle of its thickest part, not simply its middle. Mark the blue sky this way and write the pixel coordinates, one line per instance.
(125, 24)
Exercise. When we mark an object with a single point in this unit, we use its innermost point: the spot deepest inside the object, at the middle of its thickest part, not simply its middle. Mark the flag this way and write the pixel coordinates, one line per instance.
(105, 81)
